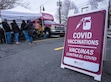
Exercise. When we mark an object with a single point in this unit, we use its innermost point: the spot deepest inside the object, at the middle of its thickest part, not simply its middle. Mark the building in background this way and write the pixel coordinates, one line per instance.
(87, 7)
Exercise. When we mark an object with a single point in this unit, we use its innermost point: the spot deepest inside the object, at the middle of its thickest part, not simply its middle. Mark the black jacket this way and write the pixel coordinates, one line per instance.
(30, 28)
(6, 27)
(23, 26)
(15, 28)
(1, 33)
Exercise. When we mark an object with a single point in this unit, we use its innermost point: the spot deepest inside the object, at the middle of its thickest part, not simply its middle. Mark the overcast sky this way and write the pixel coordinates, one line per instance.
(50, 5)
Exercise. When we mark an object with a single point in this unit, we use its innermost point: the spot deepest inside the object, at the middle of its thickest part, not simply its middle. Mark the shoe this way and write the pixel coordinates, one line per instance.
(30, 42)
(17, 43)
(26, 41)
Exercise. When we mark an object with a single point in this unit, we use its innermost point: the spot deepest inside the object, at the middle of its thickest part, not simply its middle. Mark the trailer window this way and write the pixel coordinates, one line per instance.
(49, 22)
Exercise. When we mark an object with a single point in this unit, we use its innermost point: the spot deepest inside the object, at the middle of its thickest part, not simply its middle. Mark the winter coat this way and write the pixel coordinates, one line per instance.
(6, 27)
(30, 28)
(1, 33)
(23, 25)
(15, 28)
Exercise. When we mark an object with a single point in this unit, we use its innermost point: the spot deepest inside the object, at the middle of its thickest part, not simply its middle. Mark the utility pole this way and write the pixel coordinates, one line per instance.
(109, 10)
(42, 8)
(60, 5)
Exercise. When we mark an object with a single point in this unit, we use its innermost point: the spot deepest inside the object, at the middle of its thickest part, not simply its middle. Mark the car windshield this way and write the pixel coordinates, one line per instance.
(49, 22)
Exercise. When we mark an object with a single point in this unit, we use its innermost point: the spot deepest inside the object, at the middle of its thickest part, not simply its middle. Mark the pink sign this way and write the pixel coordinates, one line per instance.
(84, 42)
(47, 16)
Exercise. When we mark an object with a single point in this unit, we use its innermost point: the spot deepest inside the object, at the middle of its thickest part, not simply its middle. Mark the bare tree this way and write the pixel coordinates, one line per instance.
(7, 4)
(94, 3)
(25, 4)
(65, 10)
(66, 6)
(74, 7)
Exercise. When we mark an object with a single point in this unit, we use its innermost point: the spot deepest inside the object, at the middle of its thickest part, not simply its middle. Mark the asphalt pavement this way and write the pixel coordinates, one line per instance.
(39, 62)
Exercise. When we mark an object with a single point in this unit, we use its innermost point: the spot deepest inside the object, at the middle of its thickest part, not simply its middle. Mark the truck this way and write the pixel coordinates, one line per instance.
(46, 24)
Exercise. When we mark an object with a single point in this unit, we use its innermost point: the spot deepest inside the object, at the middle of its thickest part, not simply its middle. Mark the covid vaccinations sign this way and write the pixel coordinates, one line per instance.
(84, 42)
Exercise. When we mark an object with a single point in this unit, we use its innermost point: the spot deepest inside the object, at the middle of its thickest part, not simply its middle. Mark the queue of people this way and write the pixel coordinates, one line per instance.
(7, 30)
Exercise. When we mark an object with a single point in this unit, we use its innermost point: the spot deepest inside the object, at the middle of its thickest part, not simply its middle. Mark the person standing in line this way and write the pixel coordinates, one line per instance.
(30, 29)
(45, 34)
(24, 30)
(16, 30)
(2, 36)
(7, 31)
